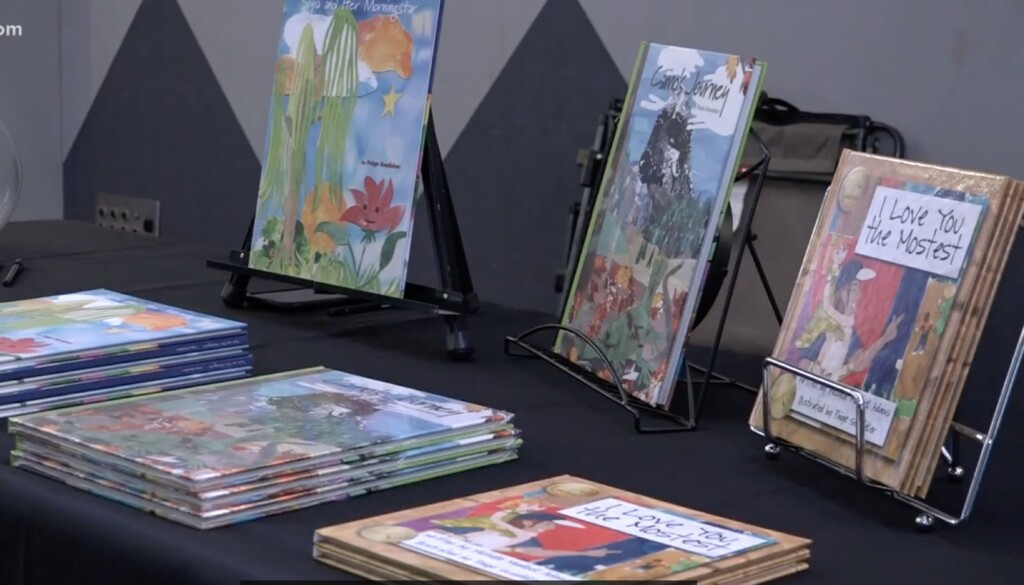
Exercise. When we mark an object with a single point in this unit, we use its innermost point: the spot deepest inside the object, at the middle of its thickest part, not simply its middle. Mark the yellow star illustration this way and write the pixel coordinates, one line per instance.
(390, 100)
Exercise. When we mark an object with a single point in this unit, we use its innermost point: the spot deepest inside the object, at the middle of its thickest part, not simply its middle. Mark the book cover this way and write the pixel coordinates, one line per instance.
(675, 153)
(122, 354)
(210, 432)
(88, 323)
(350, 101)
(885, 287)
(560, 529)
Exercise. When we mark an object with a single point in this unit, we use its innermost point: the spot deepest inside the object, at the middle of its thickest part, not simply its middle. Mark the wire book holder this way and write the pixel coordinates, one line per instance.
(452, 301)
(927, 514)
(690, 401)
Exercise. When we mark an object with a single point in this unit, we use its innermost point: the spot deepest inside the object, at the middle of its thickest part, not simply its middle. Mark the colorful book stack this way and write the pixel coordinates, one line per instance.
(226, 453)
(345, 137)
(98, 345)
(560, 529)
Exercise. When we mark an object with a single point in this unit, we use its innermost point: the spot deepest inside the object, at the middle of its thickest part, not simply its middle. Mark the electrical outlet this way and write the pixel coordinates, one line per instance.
(128, 214)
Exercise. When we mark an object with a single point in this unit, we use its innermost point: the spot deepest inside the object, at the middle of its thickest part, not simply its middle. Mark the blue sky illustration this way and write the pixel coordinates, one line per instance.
(393, 139)
(710, 151)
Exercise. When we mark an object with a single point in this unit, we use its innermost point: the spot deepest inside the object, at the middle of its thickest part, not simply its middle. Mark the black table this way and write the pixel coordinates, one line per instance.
(52, 533)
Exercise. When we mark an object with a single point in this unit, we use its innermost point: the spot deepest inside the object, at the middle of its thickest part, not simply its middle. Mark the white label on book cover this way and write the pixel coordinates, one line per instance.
(839, 411)
(932, 234)
(385, 398)
(451, 548)
(665, 528)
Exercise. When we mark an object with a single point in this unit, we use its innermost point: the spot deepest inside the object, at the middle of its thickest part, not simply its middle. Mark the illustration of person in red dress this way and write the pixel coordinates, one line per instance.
(533, 532)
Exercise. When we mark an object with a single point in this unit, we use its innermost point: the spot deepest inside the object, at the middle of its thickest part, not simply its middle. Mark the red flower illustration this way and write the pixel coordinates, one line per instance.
(22, 346)
(373, 211)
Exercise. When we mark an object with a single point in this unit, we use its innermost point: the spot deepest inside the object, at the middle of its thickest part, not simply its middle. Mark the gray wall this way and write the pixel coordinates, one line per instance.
(942, 71)
(519, 86)
(30, 102)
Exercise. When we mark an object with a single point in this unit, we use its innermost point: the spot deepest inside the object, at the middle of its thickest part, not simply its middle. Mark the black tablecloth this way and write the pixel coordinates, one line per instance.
(52, 533)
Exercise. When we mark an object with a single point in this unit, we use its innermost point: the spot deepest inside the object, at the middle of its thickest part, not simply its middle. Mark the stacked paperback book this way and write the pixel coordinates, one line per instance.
(892, 297)
(560, 529)
(225, 453)
(100, 345)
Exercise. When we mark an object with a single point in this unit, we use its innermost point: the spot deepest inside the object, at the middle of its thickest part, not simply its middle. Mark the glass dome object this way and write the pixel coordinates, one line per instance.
(10, 176)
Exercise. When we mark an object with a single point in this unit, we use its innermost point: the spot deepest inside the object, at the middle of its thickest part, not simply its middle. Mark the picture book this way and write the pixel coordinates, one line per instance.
(560, 529)
(350, 102)
(225, 501)
(121, 392)
(888, 289)
(193, 436)
(152, 503)
(645, 255)
(120, 355)
(92, 323)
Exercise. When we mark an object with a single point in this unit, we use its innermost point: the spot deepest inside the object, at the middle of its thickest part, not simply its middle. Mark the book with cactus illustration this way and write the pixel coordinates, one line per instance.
(892, 295)
(645, 256)
(351, 95)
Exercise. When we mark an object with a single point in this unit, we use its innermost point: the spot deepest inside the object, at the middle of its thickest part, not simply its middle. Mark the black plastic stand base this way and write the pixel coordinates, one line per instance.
(452, 302)
(613, 391)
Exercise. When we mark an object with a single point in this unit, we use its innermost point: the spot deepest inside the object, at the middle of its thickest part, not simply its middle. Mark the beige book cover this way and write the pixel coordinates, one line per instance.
(563, 528)
(887, 286)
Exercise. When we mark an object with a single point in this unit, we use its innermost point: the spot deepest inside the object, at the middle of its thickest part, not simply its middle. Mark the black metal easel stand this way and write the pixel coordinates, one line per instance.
(452, 302)
(690, 401)
(747, 237)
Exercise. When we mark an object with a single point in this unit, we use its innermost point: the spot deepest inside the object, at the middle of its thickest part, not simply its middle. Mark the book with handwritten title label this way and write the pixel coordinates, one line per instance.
(350, 103)
(897, 280)
(559, 529)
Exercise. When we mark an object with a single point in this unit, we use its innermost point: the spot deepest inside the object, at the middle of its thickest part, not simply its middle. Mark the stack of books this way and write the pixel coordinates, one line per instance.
(893, 295)
(225, 453)
(560, 529)
(98, 345)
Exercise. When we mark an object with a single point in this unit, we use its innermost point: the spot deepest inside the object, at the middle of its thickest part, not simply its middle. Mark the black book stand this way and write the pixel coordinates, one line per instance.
(452, 302)
(683, 414)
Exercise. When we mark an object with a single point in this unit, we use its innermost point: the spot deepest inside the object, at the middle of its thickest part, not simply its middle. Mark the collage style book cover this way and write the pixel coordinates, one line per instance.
(347, 125)
(891, 274)
(645, 256)
(76, 325)
(207, 433)
(560, 529)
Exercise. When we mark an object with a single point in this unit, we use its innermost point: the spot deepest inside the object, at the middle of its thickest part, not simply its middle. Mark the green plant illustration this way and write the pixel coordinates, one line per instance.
(318, 89)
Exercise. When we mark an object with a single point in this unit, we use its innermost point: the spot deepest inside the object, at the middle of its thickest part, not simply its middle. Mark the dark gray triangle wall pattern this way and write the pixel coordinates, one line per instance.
(160, 128)
(513, 170)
